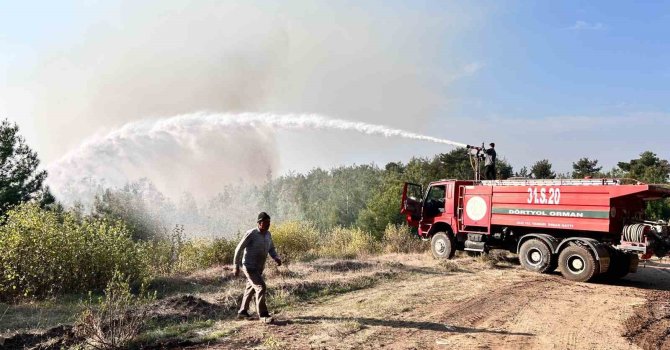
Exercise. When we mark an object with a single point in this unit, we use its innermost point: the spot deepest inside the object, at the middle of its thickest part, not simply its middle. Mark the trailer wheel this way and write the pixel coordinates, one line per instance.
(577, 263)
(442, 246)
(535, 256)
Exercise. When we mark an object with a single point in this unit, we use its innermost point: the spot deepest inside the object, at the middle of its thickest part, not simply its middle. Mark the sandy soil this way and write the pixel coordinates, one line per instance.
(475, 307)
(415, 302)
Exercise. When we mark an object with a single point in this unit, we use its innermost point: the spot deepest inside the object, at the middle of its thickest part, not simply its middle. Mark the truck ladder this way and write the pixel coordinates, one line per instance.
(459, 208)
(557, 182)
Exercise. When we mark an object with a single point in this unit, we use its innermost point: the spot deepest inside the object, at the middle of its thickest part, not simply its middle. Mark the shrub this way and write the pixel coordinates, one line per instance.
(46, 253)
(118, 318)
(400, 239)
(161, 255)
(295, 240)
(173, 253)
(220, 251)
(203, 253)
(347, 243)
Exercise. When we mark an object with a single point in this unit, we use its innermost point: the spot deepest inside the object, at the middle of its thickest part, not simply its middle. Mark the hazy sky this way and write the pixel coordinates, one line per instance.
(557, 80)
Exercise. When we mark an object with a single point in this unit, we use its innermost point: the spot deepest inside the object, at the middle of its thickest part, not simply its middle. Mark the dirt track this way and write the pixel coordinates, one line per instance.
(476, 307)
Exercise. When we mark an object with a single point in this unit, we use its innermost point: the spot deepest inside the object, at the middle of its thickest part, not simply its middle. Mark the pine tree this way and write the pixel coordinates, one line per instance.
(20, 181)
(542, 170)
(585, 167)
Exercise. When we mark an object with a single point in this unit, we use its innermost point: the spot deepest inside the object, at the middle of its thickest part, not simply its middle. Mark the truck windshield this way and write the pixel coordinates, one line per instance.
(436, 193)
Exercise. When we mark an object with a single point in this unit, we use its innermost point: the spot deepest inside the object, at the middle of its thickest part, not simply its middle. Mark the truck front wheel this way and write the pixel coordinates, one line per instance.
(535, 256)
(577, 263)
(442, 246)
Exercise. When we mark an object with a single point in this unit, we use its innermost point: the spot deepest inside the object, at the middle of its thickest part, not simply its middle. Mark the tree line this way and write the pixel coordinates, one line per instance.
(364, 196)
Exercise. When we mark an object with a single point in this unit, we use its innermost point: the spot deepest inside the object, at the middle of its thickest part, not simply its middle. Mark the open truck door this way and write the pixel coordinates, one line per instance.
(412, 203)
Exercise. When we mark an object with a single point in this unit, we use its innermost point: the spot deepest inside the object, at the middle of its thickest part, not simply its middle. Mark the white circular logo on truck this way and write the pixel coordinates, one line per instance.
(476, 208)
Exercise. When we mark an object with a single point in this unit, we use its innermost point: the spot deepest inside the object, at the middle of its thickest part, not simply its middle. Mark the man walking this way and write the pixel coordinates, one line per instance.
(251, 253)
(490, 162)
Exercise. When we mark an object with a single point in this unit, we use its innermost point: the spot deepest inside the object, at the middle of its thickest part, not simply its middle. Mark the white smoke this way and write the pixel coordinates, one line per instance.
(197, 153)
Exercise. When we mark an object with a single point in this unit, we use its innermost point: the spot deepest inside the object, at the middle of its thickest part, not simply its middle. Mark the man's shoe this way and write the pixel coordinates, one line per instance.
(267, 320)
(243, 315)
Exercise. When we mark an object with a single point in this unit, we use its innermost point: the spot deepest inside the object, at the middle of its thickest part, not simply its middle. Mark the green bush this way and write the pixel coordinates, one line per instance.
(194, 255)
(197, 254)
(347, 243)
(165, 256)
(46, 253)
(220, 251)
(295, 240)
(174, 253)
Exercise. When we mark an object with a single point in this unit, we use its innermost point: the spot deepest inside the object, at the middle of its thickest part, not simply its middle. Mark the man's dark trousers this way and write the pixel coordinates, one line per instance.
(255, 285)
(490, 172)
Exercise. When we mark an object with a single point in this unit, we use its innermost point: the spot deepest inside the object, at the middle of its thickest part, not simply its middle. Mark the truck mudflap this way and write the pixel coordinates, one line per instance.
(598, 249)
(634, 262)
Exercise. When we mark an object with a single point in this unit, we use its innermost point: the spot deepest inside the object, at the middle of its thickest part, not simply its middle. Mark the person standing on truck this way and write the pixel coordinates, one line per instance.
(490, 162)
(251, 253)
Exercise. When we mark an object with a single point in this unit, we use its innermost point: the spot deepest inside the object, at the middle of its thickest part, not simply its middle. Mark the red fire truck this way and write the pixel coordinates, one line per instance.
(584, 227)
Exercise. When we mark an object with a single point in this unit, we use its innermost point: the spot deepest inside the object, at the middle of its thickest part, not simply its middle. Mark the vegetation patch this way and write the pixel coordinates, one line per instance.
(116, 320)
(288, 293)
(47, 253)
(450, 265)
(340, 265)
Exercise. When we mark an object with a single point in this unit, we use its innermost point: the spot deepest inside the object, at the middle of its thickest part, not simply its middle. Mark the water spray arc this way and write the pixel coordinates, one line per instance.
(313, 121)
(186, 151)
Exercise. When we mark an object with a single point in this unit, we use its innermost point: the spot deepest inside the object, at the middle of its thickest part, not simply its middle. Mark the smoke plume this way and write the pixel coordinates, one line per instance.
(126, 61)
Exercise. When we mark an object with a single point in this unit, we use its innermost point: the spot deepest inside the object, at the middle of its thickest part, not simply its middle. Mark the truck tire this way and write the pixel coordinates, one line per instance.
(442, 246)
(535, 256)
(577, 263)
(619, 265)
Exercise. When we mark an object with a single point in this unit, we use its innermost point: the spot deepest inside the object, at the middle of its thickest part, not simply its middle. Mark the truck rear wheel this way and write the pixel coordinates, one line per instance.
(535, 256)
(577, 263)
(442, 246)
(619, 264)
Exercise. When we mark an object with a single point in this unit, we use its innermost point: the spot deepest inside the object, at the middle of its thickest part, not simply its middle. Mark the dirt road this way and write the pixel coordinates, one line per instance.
(470, 305)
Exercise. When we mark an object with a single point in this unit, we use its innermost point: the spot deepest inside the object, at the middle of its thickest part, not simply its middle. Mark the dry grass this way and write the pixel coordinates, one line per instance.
(498, 259)
(32, 316)
(449, 265)
(341, 328)
(204, 314)
(400, 239)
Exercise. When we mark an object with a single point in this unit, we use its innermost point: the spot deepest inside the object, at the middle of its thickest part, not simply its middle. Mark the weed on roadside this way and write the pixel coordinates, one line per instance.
(272, 343)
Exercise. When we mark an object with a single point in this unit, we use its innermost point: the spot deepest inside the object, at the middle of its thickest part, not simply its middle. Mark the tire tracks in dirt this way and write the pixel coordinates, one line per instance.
(539, 312)
(494, 313)
(477, 308)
